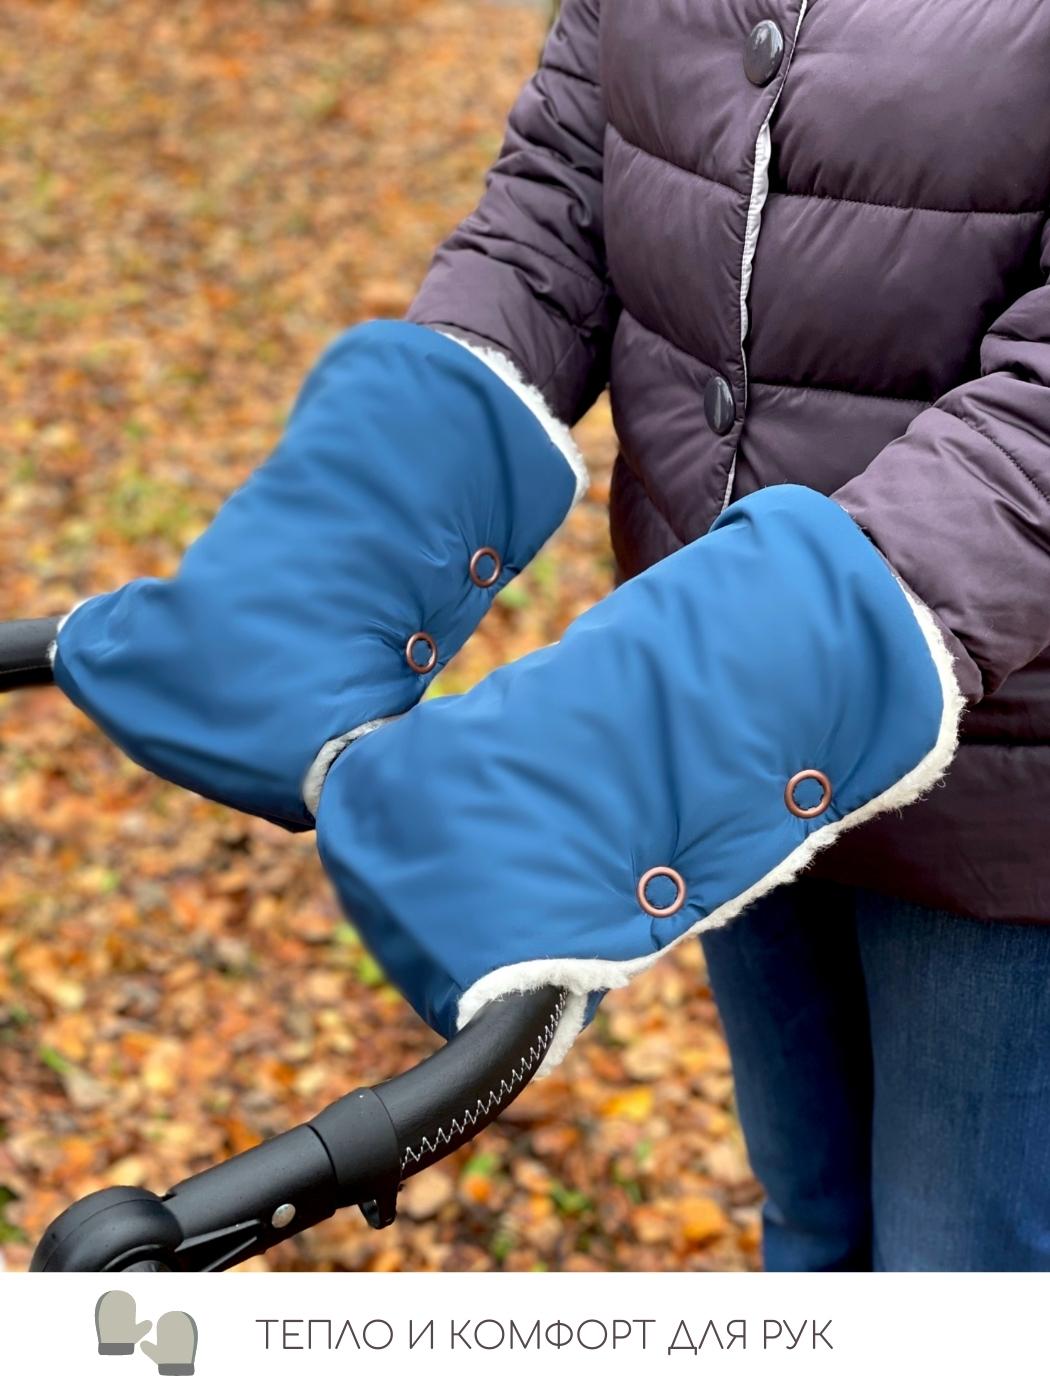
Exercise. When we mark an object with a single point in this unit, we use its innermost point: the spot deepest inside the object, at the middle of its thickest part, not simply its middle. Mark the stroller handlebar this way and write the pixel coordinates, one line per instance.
(25, 652)
(357, 1151)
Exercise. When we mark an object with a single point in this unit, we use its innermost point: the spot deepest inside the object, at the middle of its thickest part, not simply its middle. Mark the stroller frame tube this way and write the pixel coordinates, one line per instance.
(357, 1151)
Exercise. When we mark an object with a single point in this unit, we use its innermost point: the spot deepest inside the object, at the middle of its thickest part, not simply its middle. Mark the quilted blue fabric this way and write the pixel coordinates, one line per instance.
(511, 826)
(287, 622)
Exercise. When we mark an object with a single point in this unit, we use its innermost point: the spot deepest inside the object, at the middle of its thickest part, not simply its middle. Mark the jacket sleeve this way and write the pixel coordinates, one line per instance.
(525, 272)
(960, 504)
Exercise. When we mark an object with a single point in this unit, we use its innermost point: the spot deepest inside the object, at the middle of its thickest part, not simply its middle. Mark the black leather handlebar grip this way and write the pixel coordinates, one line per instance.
(25, 652)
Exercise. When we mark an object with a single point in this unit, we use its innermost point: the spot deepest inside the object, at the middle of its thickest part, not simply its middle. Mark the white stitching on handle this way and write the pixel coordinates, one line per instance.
(446, 1136)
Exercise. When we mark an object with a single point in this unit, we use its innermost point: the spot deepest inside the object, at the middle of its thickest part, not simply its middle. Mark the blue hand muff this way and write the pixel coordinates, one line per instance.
(691, 742)
(410, 485)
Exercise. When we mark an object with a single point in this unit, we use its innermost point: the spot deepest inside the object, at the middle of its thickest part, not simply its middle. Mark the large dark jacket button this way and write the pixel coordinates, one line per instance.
(719, 406)
(763, 53)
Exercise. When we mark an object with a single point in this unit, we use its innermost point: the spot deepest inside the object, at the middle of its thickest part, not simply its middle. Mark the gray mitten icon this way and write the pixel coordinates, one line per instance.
(118, 1332)
(176, 1344)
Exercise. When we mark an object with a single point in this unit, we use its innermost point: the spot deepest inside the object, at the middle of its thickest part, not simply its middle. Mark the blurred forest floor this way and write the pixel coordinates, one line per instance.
(194, 197)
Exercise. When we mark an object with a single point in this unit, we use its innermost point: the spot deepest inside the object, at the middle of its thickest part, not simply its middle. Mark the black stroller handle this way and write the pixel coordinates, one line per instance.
(357, 1151)
(25, 652)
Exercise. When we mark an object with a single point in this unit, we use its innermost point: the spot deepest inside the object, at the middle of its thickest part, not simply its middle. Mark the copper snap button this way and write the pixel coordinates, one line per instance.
(421, 668)
(808, 812)
(675, 879)
(477, 560)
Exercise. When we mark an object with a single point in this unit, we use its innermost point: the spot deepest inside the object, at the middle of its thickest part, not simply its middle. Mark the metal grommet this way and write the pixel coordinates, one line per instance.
(424, 668)
(808, 812)
(675, 879)
(477, 558)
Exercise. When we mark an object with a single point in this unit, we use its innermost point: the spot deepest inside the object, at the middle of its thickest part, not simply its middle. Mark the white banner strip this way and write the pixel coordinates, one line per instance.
(447, 1336)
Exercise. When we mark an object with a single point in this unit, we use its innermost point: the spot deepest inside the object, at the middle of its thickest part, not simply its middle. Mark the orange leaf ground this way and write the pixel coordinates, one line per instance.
(196, 196)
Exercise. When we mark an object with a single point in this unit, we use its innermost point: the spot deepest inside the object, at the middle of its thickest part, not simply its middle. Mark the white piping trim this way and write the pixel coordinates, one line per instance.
(752, 228)
(730, 483)
(756, 204)
(533, 400)
(581, 976)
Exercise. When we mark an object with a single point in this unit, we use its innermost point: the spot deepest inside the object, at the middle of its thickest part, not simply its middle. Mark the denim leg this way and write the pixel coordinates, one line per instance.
(960, 1030)
(790, 989)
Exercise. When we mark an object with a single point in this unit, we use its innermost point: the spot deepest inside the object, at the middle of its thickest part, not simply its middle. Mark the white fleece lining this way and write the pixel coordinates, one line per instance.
(580, 976)
(52, 650)
(329, 752)
(752, 228)
(533, 400)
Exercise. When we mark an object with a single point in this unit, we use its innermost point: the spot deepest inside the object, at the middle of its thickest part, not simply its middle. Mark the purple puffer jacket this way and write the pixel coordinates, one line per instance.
(809, 243)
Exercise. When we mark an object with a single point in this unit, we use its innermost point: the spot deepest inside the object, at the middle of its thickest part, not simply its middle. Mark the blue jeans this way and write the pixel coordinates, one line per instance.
(892, 1069)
